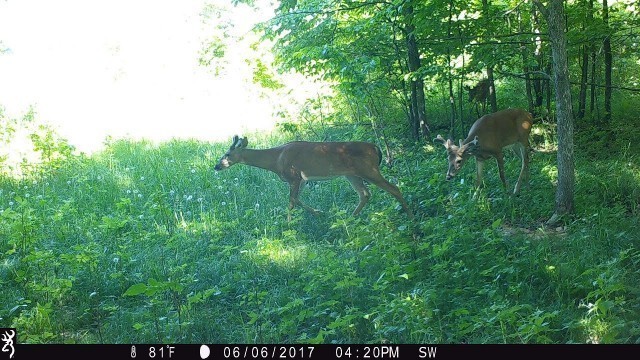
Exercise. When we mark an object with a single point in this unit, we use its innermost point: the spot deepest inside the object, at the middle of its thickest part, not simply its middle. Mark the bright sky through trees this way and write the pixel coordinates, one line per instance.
(127, 68)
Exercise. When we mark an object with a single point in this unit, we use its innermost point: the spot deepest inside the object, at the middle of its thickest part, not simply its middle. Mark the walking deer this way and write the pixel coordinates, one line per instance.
(479, 94)
(487, 138)
(299, 161)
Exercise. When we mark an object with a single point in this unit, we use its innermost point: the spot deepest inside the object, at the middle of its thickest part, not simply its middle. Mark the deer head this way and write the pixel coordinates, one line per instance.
(457, 154)
(233, 155)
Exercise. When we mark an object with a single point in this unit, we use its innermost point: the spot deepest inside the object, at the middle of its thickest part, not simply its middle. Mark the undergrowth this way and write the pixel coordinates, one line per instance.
(145, 243)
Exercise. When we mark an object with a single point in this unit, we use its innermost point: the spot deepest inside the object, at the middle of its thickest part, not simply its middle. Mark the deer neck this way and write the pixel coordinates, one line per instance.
(264, 159)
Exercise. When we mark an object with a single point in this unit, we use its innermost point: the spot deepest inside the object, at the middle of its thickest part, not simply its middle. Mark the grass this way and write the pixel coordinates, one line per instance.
(145, 243)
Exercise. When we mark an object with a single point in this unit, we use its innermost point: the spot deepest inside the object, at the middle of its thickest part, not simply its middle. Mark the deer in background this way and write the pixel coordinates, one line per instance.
(299, 161)
(487, 138)
(479, 94)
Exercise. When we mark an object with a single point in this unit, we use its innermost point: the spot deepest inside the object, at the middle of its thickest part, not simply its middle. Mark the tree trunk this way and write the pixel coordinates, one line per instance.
(554, 13)
(492, 90)
(584, 78)
(492, 86)
(417, 84)
(592, 104)
(525, 61)
(582, 97)
(452, 101)
(608, 60)
(538, 80)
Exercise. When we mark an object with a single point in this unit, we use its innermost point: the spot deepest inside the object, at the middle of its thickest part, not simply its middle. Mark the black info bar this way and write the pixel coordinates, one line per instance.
(312, 351)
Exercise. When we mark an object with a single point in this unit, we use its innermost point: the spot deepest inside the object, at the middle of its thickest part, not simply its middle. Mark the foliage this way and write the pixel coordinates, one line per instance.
(145, 243)
(362, 49)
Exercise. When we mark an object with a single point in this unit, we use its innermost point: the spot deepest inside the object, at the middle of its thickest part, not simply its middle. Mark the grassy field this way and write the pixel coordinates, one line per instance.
(145, 243)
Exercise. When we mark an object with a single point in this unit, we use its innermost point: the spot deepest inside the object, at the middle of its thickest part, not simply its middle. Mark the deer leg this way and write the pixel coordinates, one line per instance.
(500, 160)
(364, 194)
(523, 154)
(383, 184)
(479, 168)
(294, 193)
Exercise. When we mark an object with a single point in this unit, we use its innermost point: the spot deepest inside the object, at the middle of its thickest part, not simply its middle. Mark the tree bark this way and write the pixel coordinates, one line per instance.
(584, 76)
(592, 103)
(452, 102)
(539, 55)
(582, 97)
(524, 51)
(419, 122)
(564, 201)
(492, 86)
(492, 90)
(608, 60)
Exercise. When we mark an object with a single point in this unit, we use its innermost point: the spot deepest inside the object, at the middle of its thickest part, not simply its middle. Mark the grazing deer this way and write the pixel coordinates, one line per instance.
(487, 138)
(299, 161)
(479, 94)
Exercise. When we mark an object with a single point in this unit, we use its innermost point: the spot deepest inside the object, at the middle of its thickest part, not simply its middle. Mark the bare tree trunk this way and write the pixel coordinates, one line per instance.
(592, 104)
(554, 13)
(452, 102)
(492, 90)
(525, 61)
(582, 97)
(539, 55)
(417, 84)
(608, 60)
(584, 79)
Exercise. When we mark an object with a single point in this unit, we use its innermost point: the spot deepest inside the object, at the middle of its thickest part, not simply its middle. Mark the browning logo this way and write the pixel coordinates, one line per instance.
(7, 336)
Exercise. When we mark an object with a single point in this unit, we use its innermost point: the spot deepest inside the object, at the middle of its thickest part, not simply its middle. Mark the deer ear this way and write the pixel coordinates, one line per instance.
(234, 141)
(471, 146)
(243, 142)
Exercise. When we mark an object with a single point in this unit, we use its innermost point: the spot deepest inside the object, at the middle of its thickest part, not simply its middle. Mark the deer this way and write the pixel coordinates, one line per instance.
(479, 94)
(487, 138)
(300, 161)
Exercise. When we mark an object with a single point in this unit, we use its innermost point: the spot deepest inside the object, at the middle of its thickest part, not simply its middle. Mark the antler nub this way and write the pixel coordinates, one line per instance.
(447, 143)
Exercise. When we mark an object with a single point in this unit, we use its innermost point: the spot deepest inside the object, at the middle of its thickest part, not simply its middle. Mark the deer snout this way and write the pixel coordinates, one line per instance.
(451, 172)
(217, 167)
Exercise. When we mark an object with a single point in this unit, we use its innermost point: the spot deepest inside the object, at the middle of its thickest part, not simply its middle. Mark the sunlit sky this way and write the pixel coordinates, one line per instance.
(125, 68)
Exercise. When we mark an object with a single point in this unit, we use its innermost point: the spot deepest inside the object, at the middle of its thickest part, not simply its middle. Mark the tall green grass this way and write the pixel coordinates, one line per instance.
(145, 243)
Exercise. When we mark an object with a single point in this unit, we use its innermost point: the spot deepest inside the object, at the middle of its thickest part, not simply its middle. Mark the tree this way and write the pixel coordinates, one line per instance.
(608, 60)
(368, 50)
(555, 17)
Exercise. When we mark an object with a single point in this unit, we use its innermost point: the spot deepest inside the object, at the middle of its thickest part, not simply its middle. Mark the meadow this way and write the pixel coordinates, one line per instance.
(146, 243)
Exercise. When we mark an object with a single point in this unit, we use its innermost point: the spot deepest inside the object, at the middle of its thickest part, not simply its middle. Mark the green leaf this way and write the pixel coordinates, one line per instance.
(136, 289)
